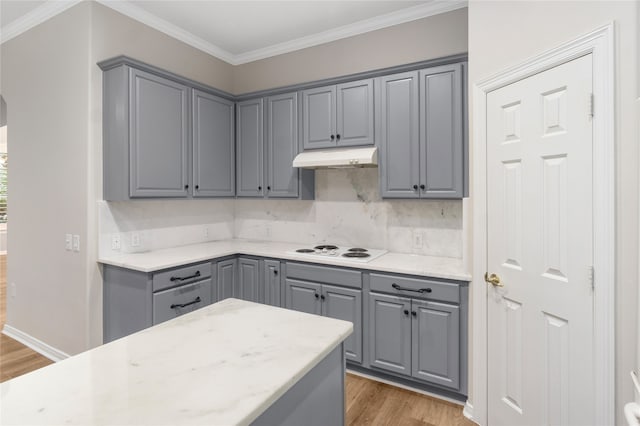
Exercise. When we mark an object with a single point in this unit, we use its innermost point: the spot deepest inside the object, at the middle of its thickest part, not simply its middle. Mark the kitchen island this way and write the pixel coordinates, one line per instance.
(230, 363)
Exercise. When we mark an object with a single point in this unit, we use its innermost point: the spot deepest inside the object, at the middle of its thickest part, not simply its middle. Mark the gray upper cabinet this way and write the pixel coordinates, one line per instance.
(336, 116)
(158, 136)
(441, 132)
(390, 333)
(282, 146)
(399, 135)
(421, 133)
(226, 271)
(303, 296)
(213, 146)
(436, 343)
(249, 286)
(345, 304)
(250, 160)
(272, 282)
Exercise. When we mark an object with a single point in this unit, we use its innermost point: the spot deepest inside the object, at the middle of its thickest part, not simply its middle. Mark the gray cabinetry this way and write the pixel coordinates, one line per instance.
(272, 282)
(338, 116)
(390, 333)
(226, 279)
(249, 285)
(213, 146)
(250, 160)
(303, 296)
(345, 304)
(282, 145)
(158, 136)
(173, 302)
(421, 133)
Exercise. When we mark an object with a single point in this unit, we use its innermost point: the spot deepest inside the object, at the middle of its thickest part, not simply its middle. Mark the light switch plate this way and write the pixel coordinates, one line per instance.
(76, 243)
(68, 242)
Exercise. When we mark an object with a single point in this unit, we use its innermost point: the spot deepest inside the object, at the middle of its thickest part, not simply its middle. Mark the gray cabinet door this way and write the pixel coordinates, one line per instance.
(319, 117)
(271, 274)
(399, 123)
(213, 146)
(436, 343)
(282, 145)
(354, 108)
(226, 277)
(302, 296)
(172, 303)
(249, 165)
(441, 138)
(158, 136)
(345, 304)
(390, 333)
(249, 280)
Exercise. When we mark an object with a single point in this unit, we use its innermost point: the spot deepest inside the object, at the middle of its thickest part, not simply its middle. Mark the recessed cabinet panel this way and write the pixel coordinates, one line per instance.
(399, 135)
(158, 136)
(345, 304)
(282, 145)
(390, 333)
(319, 115)
(226, 271)
(213, 146)
(250, 150)
(354, 113)
(302, 296)
(272, 283)
(249, 280)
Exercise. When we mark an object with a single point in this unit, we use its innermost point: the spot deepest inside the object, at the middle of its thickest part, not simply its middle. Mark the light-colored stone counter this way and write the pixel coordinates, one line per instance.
(224, 364)
(431, 266)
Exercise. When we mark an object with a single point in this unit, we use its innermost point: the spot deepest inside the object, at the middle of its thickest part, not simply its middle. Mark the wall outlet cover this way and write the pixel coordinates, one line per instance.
(116, 243)
(135, 239)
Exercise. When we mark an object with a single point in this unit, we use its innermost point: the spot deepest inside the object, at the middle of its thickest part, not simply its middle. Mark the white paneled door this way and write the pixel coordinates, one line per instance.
(540, 248)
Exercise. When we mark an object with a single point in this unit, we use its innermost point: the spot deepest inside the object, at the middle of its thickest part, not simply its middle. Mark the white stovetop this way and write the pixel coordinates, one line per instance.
(220, 365)
(431, 266)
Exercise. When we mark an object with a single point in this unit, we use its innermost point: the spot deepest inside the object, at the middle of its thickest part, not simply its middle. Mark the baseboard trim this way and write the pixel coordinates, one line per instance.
(467, 411)
(37, 345)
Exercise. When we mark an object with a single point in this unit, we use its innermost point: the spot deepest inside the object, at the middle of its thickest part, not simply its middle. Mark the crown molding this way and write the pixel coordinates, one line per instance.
(360, 27)
(35, 17)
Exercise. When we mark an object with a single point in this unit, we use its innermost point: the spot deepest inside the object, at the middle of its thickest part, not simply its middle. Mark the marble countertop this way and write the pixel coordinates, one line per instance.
(223, 364)
(431, 266)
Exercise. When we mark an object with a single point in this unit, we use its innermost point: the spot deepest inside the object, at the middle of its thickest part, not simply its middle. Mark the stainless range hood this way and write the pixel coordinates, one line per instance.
(341, 158)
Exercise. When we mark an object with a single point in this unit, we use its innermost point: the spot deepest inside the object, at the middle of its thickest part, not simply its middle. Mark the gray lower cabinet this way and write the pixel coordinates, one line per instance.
(303, 296)
(249, 283)
(421, 133)
(172, 303)
(272, 282)
(338, 116)
(213, 146)
(345, 304)
(390, 333)
(226, 277)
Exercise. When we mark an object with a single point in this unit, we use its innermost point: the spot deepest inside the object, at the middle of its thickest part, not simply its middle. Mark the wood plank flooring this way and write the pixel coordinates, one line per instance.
(367, 402)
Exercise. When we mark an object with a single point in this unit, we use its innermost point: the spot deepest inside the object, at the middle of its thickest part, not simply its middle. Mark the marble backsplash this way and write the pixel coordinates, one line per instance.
(347, 210)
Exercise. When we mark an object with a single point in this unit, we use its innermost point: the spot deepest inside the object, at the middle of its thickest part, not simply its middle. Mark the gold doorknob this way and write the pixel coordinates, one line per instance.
(493, 279)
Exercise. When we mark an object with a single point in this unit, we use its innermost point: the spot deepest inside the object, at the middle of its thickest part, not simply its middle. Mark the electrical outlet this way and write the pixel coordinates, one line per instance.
(135, 240)
(417, 239)
(76, 243)
(115, 242)
(205, 232)
(67, 242)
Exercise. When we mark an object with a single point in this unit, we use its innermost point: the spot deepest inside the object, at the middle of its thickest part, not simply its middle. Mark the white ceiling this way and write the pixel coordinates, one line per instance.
(242, 31)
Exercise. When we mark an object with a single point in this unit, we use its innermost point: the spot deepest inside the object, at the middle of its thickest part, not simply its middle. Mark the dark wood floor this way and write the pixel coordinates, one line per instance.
(368, 402)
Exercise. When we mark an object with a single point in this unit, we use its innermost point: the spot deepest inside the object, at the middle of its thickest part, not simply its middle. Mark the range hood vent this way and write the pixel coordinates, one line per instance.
(342, 158)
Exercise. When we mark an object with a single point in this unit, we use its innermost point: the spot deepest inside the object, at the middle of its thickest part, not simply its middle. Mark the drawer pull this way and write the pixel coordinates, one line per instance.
(182, 305)
(421, 290)
(196, 275)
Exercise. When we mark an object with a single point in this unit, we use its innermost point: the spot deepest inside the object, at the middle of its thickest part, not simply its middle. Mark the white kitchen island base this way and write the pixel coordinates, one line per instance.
(231, 363)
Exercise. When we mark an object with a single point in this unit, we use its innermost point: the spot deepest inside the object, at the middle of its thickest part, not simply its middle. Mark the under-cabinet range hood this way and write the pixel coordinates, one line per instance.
(340, 158)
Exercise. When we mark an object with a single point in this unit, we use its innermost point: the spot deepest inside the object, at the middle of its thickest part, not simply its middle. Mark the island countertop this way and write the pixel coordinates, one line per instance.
(223, 364)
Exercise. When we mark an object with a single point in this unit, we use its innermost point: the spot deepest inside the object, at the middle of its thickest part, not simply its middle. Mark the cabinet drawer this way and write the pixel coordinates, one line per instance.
(416, 287)
(184, 275)
(324, 274)
(178, 301)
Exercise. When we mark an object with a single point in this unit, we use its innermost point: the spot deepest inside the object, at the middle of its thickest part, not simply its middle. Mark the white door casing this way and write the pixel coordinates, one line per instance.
(600, 43)
(539, 211)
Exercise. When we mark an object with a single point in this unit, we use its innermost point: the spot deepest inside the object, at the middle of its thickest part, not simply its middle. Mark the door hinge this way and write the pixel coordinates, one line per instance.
(591, 106)
(592, 278)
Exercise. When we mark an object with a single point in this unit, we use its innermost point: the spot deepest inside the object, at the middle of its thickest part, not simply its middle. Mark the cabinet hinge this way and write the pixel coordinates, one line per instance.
(591, 106)
(592, 278)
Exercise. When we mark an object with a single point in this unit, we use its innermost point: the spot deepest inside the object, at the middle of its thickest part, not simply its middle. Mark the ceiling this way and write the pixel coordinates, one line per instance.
(241, 31)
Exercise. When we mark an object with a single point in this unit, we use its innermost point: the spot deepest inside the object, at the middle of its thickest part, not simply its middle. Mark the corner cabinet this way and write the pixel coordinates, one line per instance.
(338, 116)
(267, 140)
(421, 133)
(163, 138)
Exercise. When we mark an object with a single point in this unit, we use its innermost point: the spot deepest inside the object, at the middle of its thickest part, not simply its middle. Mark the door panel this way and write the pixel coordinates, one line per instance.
(399, 135)
(354, 105)
(213, 146)
(249, 280)
(158, 136)
(303, 296)
(226, 276)
(436, 343)
(390, 333)
(540, 228)
(272, 283)
(282, 145)
(345, 304)
(249, 167)
(319, 117)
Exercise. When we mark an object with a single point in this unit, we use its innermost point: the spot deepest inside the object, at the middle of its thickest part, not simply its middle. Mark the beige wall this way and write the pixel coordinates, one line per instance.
(506, 33)
(427, 38)
(45, 84)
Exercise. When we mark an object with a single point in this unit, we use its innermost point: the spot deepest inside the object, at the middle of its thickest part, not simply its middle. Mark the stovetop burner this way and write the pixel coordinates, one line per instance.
(358, 249)
(355, 254)
(326, 247)
(305, 251)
